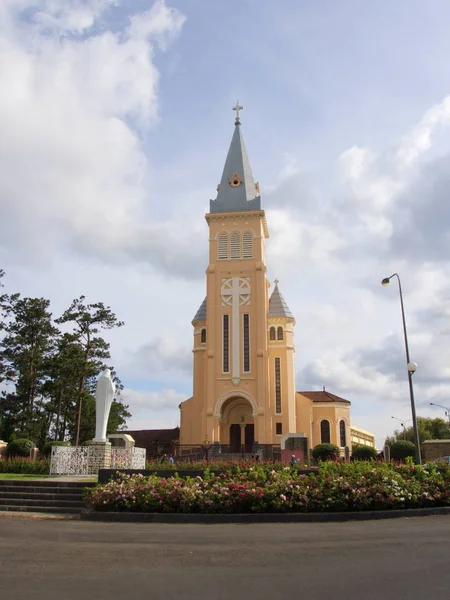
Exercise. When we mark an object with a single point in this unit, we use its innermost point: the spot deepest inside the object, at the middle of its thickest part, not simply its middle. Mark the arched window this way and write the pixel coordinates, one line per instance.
(222, 246)
(279, 333)
(235, 245)
(325, 431)
(342, 434)
(247, 245)
(203, 336)
(272, 334)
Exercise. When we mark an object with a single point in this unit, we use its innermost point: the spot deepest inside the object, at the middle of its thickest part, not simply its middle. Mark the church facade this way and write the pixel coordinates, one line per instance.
(244, 354)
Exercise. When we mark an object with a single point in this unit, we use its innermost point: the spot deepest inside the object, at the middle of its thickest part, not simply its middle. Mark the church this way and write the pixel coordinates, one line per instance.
(244, 393)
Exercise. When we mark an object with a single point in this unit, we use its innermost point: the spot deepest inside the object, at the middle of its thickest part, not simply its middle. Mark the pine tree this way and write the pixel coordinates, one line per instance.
(88, 320)
(28, 342)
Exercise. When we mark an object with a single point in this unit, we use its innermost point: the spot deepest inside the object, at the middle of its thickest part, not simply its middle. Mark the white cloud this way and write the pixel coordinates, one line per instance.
(72, 163)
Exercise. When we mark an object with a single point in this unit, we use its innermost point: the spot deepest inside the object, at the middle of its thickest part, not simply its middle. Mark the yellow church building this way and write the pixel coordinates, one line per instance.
(244, 392)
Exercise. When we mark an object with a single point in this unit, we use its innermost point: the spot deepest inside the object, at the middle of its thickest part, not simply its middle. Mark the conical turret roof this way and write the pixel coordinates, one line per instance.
(277, 304)
(200, 315)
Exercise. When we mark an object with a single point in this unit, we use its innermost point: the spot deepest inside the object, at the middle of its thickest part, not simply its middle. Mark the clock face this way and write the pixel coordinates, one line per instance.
(235, 180)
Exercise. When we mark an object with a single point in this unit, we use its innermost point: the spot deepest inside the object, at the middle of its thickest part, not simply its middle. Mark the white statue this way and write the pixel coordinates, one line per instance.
(104, 395)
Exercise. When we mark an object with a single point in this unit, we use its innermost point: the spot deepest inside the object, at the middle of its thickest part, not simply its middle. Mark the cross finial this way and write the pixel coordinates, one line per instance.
(237, 108)
(276, 281)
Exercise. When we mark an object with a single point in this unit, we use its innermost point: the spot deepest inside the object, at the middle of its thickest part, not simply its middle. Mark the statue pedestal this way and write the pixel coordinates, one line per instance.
(99, 456)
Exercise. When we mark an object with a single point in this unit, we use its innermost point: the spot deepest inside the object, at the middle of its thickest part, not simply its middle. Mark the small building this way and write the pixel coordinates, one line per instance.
(362, 437)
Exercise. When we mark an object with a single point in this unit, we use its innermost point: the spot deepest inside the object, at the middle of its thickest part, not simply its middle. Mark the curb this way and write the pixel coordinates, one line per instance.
(186, 518)
(10, 514)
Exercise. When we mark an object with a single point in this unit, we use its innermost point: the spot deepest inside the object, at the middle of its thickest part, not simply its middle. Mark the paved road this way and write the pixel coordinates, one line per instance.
(403, 559)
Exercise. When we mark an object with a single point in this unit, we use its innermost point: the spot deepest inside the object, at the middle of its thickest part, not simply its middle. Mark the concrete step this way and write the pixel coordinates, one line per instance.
(40, 489)
(43, 503)
(44, 483)
(39, 495)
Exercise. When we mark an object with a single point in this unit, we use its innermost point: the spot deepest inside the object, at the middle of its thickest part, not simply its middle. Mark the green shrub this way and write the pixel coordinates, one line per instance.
(26, 466)
(364, 453)
(401, 449)
(19, 447)
(326, 452)
(47, 449)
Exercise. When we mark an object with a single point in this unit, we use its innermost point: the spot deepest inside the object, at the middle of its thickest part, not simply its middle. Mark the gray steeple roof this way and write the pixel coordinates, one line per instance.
(277, 305)
(200, 315)
(237, 191)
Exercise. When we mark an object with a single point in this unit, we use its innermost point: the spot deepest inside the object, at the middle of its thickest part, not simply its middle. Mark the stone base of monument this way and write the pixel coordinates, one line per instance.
(99, 456)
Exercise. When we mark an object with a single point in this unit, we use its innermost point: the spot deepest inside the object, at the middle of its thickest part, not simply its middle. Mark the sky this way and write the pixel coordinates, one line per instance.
(115, 121)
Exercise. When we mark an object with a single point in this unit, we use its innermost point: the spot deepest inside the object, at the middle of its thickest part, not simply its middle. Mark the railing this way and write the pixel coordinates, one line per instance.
(228, 452)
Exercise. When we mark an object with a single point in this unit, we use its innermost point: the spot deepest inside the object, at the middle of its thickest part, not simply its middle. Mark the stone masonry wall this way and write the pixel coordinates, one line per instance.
(432, 449)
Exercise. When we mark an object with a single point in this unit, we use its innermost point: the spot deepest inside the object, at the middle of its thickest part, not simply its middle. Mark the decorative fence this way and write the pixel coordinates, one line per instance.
(128, 458)
(79, 460)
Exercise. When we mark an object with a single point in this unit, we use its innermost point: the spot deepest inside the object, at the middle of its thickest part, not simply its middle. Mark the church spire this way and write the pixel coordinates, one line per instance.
(237, 191)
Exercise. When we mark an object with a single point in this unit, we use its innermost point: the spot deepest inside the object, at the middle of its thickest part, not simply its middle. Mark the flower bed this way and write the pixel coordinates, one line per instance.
(334, 488)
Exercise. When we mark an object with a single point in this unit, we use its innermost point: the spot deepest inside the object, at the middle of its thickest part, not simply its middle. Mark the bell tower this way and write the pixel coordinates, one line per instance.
(232, 402)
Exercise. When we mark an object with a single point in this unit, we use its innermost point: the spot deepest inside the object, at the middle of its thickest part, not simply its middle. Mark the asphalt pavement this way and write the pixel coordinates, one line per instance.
(402, 559)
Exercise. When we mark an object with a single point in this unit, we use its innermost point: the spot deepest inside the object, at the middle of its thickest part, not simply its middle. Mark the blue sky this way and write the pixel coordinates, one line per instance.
(116, 119)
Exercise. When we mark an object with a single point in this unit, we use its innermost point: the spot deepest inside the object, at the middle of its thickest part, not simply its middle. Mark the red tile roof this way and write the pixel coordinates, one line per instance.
(324, 396)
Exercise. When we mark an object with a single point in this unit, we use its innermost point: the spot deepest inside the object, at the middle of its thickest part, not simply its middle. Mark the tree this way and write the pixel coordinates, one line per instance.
(429, 429)
(28, 342)
(88, 320)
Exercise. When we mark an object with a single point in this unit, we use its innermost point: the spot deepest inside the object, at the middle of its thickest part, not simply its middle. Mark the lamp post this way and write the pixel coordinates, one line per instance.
(402, 423)
(447, 410)
(411, 366)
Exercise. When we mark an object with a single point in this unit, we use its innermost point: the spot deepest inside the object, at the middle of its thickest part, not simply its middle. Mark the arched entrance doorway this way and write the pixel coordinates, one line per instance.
(237, 427)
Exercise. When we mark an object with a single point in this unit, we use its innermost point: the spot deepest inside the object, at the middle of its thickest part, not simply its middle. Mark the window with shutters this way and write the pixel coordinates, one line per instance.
(277, 385)
(272, 334)
(247, 245)
(325, 432)
(342, 434)
(203, 336)
(222, 246)
(235, 245)
(226, 343)
(279, 333)
(246, 338)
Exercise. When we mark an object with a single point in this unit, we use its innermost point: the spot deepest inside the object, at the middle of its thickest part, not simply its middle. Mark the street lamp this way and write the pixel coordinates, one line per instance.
(411, 366)
(447, 410)
(402, 423)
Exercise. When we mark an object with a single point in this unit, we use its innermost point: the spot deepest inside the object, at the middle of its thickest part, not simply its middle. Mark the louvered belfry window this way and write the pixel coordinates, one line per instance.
(247, 245)
(226, 343)
(279, 333)
(222, 247)
(277, 385)
(246, 323)
(272, 334)
(203, 336)
(235, 245)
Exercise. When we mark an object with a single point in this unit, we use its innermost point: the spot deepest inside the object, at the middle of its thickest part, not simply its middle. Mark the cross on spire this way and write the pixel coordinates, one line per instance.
(237, 108)
(276, 282)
